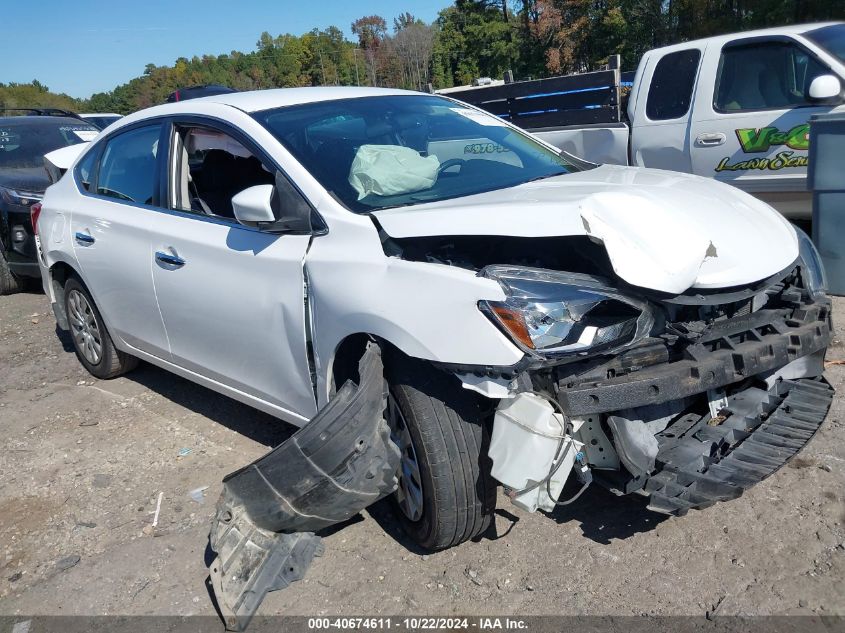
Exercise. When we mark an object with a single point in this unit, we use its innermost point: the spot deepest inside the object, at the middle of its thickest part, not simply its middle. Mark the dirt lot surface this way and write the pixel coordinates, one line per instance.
(82, 464)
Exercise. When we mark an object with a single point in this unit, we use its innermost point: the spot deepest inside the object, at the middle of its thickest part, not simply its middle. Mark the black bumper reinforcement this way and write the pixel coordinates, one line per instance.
(733, 351)
(699, 464)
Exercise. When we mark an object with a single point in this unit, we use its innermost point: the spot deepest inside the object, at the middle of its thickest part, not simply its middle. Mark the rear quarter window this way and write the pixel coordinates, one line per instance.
(670, 93)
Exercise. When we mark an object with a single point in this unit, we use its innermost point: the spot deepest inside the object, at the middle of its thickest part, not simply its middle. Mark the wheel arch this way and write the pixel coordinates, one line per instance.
(60, 272)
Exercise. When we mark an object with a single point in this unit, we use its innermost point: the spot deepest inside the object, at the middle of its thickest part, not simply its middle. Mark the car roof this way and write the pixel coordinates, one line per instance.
(791, 29)
(257, 100)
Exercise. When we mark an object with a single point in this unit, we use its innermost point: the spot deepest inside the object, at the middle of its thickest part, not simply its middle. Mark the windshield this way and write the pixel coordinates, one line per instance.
(23, 144)
(831, 38)
(377, 152)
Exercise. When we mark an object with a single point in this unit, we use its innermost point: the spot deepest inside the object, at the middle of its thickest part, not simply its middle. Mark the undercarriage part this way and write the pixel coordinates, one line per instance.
(702, 460)
(339, 463)
(635, 444)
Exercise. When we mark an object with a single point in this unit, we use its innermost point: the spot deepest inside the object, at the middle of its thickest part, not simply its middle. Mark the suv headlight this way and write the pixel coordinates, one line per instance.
(21, 198)
(554, 314)
(812, 269)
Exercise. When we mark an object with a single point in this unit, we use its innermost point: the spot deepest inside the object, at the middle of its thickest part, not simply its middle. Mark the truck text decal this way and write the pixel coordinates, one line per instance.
(753, 140)
(761, 140)
(778, 161)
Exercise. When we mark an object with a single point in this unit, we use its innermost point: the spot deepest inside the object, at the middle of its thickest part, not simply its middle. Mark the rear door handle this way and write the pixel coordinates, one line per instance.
(170, 259)
(710, 140)
(84, 237)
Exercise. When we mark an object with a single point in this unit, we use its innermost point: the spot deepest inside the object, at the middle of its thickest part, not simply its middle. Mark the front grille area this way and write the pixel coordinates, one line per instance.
(687, 361)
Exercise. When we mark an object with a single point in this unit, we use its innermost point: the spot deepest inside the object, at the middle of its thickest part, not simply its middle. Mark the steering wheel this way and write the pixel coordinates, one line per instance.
(452, 162)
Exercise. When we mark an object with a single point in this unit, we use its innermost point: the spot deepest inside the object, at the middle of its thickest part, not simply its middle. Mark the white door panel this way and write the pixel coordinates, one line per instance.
(111, 244)
(753, 97)
(232, 300)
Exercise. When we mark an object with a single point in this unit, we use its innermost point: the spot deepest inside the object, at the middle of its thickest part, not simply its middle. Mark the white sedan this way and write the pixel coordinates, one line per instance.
(534, 318)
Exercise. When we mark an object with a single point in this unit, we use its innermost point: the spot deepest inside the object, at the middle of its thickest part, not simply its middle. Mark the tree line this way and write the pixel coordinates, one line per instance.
(469, 39)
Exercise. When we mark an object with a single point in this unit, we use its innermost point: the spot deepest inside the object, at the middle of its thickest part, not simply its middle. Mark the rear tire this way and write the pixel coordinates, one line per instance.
(449, 440)
(9, 284)
(91, 341)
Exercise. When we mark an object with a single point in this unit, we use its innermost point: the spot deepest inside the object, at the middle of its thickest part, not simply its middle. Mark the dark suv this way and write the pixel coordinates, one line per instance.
(23, 142)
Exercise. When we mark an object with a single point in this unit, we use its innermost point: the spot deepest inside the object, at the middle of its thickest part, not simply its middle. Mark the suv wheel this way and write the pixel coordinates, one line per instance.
(8, 282)
(91, 340)
(446, 494)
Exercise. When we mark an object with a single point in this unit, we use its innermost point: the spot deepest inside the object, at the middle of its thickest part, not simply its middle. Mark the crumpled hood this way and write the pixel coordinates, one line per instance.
(663, 230)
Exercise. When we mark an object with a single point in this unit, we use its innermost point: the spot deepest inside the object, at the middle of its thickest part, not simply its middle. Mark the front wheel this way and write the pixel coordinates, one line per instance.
(446, 494)
(9, 283)
(91, 341)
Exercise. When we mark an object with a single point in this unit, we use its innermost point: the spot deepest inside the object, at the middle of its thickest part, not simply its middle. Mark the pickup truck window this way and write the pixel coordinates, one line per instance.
(831, 38)
(448, 150)
(764, 76)
(670, 93)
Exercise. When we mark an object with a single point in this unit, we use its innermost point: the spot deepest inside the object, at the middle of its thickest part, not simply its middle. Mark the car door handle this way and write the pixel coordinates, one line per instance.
(84, 238)
(710, 140)
(169, 259)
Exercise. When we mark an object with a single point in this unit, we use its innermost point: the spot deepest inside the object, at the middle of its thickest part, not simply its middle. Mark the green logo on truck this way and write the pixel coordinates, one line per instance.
(754, 140)
(761, 140)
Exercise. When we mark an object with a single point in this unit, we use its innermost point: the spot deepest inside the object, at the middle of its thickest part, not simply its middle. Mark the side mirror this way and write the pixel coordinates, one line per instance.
(254, 205)
(824, 88)
(278, 208)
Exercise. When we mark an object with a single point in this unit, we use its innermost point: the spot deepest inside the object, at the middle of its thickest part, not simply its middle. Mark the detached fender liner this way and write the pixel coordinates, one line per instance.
(699, 464)
(339, 463)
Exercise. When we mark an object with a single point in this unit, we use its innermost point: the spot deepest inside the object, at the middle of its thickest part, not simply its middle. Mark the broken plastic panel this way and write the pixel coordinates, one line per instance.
(339, 463)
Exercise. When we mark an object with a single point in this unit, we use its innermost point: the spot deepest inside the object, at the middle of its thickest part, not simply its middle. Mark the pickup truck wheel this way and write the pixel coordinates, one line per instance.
(91, 340)
(8, 282)
(446, 494)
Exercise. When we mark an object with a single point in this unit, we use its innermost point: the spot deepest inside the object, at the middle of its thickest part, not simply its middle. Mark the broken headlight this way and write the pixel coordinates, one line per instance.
(552, 314)
(812, 269)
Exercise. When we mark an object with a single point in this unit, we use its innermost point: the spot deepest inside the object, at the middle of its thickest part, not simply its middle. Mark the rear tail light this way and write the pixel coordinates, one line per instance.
(34, 212)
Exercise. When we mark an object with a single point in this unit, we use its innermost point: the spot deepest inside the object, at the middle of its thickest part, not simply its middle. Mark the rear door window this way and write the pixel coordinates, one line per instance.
(128, 167)
(670, 93)
(765, 76)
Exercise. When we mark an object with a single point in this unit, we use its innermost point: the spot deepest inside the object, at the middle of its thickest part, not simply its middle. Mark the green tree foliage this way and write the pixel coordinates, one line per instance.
(33, 95)
(469, 39)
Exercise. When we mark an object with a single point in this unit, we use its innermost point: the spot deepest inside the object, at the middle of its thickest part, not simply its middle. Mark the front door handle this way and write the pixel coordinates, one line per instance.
(710, 140)
(170, 259)
(84, 238)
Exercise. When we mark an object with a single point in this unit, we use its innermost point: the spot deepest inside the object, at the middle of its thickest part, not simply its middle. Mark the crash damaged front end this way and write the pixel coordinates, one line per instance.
(691, 399)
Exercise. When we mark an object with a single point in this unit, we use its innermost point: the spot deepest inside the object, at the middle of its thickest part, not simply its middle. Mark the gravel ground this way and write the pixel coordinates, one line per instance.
(83, 462)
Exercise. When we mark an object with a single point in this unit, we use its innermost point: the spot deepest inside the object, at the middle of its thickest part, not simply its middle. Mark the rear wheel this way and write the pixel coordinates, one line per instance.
(8, 282)
(446, 494)
(91, 341)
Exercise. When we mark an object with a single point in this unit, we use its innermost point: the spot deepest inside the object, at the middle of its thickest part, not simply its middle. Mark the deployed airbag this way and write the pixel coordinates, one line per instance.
(339, 463)
(390, 170)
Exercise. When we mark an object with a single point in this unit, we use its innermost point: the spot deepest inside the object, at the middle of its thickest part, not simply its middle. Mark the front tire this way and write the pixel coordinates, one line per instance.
(446, 494)
(9, 284)
(91, 341)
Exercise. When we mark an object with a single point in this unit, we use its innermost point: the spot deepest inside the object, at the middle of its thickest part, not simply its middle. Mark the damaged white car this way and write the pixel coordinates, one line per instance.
(443, 303)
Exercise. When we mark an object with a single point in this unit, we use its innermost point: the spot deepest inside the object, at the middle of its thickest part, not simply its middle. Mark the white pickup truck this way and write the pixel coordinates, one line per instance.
(734, 107)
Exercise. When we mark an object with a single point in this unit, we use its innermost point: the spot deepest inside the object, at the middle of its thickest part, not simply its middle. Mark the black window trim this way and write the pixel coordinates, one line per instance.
(765, 39)
(692, 88)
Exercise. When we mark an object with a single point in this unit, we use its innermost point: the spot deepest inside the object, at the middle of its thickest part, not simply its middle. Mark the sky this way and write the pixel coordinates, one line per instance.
(89, 46)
